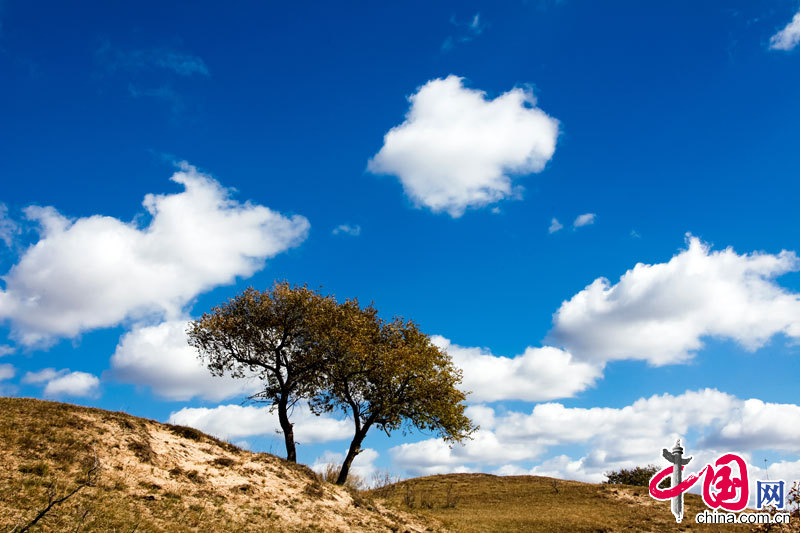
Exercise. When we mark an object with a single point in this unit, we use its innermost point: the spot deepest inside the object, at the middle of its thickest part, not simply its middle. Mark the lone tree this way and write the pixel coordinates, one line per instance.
(388, 375)
(270, 335)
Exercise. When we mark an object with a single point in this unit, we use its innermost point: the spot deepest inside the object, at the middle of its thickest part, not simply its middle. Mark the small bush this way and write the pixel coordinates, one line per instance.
(314, 489)
(186, 432)
(638, 476)
(330, 473)
(37, 469)
(142, 450)
(223, 462)
(195, 477)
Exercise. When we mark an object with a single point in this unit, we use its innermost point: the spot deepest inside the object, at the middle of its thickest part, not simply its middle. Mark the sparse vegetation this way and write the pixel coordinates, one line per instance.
(638, 476)
(482, 503)
(223, 462)
(261, 492)
(190, 481)
(330, 473)
(142, 449)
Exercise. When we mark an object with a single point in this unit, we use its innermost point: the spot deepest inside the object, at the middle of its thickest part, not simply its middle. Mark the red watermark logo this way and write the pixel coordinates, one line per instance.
(725, 484)
(726, 490)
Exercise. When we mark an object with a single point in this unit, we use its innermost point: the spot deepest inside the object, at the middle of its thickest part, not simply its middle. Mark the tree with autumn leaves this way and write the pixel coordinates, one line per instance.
(339, 357)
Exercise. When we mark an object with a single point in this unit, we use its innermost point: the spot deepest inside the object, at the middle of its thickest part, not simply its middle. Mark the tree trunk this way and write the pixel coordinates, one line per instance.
(355, 449)
(287, 428)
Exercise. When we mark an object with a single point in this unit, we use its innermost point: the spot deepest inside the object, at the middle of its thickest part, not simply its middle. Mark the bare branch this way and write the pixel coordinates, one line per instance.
(52, 501)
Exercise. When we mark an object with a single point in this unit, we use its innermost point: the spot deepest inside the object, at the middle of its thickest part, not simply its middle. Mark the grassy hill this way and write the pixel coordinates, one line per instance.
(481, 503)
(149, 477)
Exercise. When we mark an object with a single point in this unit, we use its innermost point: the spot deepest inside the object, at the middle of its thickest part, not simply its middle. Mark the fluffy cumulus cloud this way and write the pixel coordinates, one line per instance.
(537, 374)
(555, 226)
(457, 149)
(98, 271)
(611, 437)
(660, 313)
(788, 37)
(434, 456)
(60, 383)
(160, 357)
(74, 384)
(236, 421)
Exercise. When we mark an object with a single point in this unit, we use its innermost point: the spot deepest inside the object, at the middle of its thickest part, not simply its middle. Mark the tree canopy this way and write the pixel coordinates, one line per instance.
(340, 357)
(268, 335)
(387, 374)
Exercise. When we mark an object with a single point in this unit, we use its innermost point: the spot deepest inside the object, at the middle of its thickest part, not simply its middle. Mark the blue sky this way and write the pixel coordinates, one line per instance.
(443, 141)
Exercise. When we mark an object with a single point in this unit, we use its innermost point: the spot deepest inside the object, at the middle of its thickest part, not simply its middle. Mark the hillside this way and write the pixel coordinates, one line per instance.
(153, 477)
(473, 503)
(149, 477)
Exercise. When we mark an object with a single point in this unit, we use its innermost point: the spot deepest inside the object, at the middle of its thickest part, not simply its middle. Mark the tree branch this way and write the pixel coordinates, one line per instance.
(52, 501)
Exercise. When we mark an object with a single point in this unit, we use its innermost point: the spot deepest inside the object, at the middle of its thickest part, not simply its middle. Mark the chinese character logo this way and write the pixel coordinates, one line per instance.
(769, 493)
(725, 482)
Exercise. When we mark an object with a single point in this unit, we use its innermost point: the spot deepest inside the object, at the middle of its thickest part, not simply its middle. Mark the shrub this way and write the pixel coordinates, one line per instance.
(330, 473)
(186, 432)
(638, 476)
(142, 450)
(38, 469)
(223, 462)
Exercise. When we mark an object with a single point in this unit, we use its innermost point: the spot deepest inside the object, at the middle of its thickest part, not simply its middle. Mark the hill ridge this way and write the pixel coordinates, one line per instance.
(160, 477)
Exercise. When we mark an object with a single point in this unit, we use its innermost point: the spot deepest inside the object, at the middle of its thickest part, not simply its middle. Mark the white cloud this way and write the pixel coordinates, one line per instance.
(75, 384)
(660, 313)
(236, 421)
(98, 271)
(788, 37)
(161, 358)
(6, 349)
(456, 149)
(555, 225)
(757, 424)
(434, 456)
(353, 230)
(63, 382)
(584, 220)
(8, 228)
(537, 374)
(6, 371)
(43, 375)
(612, 437)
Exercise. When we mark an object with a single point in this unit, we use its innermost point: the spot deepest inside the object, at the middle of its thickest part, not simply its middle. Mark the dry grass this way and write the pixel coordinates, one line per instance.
(156, 477)
(483, 503)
